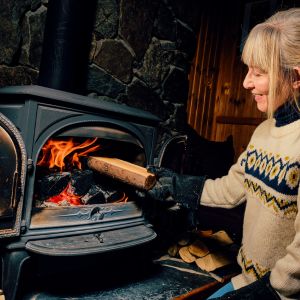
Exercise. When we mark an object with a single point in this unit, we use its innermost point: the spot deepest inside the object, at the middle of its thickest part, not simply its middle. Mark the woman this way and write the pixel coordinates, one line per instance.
(266, 175)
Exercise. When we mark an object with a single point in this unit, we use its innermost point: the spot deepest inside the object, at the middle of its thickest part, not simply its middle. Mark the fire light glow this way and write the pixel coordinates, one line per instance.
(56, 152)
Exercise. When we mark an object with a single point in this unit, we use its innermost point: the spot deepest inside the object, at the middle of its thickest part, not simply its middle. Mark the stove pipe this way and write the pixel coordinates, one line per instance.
(66, 45)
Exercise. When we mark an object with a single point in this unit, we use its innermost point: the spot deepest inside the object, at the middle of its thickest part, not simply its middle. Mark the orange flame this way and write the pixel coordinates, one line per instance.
(55, 152)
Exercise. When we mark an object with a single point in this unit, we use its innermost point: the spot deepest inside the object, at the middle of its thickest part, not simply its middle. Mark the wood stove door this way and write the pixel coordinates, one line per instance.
(12, 178)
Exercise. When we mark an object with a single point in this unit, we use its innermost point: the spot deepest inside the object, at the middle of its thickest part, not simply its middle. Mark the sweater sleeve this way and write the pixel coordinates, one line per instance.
(285, 276)
(227, 191)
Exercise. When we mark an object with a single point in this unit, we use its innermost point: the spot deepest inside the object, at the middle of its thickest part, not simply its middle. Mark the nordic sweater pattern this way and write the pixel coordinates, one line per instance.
(251, 268)
(266, 176)
(276, 173)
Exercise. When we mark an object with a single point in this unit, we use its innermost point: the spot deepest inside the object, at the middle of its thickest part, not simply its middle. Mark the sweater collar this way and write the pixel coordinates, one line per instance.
(286, 114)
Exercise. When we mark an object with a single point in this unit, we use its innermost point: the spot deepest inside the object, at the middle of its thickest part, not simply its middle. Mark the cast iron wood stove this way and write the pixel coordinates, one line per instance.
(104, 220)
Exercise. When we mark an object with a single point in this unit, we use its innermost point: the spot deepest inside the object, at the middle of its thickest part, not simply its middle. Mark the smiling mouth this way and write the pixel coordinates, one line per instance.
(258, 97)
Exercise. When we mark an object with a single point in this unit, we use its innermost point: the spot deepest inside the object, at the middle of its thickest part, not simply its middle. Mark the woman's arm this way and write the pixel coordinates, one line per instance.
(285, 276)
(227, 191)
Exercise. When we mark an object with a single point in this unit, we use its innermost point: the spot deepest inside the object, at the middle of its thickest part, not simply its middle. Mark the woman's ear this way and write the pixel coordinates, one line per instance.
(296, 83)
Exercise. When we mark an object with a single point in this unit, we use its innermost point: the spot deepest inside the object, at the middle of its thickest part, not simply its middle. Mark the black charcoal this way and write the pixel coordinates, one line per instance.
(54, 184)
(81, 182)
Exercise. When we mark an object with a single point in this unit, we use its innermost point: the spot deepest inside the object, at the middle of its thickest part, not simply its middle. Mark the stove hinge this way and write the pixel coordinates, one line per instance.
(29, 165)
(23, 227)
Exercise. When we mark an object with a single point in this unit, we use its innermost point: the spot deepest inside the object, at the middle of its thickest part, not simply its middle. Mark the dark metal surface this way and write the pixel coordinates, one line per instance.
(52, 96)
(64, 61)
(83, 215)
(98, 242)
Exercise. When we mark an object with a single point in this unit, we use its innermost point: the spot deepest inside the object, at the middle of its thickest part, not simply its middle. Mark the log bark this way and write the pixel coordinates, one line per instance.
(124, 171)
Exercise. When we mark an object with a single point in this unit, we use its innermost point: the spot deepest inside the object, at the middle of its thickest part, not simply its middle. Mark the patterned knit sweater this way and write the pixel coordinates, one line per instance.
(266, 176)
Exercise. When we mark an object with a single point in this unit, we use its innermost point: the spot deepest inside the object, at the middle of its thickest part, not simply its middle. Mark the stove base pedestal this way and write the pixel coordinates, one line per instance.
(68, 246)
(11, 268)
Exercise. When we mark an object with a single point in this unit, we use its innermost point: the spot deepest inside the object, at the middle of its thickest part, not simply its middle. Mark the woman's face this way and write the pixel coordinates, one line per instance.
(257, 82)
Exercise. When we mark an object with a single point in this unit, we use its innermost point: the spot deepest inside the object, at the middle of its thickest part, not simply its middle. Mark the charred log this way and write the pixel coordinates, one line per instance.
(54, 184)
(98, 194)
(80, 182)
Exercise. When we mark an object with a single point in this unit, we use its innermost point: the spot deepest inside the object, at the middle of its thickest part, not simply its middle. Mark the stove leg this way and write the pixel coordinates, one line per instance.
(11, 270)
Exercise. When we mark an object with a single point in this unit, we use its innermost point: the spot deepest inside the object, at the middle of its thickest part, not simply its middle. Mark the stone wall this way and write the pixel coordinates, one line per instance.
(140, 54)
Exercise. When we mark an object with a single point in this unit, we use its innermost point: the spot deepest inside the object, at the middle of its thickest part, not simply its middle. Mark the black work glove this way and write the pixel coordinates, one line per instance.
(173, 188)
(261, 289)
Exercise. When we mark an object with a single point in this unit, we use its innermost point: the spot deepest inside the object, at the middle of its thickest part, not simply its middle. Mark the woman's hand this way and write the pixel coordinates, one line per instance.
(177, 189)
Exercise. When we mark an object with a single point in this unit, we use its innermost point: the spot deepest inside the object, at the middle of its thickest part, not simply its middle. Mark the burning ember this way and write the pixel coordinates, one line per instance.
(66, 184)
(64, 197)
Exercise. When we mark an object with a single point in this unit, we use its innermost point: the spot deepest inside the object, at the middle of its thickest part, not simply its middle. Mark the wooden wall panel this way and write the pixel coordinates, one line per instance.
(203, 75)
(218, 105)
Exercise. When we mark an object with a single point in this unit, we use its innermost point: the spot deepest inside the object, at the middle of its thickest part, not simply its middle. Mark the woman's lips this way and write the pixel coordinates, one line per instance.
(258, 97)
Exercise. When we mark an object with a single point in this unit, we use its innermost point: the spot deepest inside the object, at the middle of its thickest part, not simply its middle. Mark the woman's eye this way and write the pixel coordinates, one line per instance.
(257, 72)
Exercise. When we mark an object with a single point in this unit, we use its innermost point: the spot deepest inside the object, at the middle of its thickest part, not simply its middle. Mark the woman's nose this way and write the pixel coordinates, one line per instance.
(248, 83)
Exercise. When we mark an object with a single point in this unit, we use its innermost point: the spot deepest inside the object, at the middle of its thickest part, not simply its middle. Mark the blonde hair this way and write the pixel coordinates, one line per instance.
(274, 47)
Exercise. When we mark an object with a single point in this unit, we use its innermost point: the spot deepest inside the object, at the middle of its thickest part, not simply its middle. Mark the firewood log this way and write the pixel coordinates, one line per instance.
(198, 248)
(186, 255)
(213, 261)
(124, 171)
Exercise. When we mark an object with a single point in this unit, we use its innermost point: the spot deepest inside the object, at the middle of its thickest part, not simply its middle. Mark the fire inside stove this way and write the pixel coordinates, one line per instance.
(64, 178)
